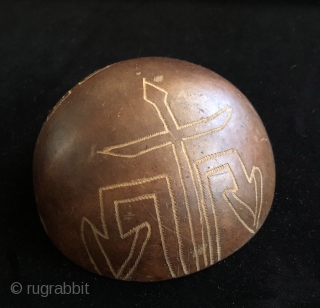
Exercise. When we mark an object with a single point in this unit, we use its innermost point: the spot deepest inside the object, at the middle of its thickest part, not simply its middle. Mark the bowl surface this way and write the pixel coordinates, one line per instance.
(151, 169)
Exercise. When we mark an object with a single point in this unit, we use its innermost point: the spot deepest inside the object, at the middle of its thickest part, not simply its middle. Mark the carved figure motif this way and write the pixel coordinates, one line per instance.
(202, 171)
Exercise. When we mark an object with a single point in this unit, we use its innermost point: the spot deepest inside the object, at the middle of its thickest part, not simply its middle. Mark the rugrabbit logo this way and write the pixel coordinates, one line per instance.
(45, 290)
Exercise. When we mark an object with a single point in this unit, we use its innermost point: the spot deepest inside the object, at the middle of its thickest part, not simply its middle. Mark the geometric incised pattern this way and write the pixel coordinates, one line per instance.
(200, 176)
(112, 207)
(206, 168)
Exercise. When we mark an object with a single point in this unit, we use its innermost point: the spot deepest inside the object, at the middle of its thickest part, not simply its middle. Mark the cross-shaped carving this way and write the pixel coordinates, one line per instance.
(174, 136)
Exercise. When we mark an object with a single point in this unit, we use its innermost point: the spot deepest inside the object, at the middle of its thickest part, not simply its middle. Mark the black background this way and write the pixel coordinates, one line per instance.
(270, 51)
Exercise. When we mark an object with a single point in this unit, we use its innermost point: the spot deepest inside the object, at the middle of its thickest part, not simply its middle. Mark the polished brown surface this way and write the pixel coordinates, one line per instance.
(151, 169)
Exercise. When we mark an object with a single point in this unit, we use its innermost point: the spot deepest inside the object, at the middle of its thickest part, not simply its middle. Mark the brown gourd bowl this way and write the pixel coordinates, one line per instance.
(151, 169)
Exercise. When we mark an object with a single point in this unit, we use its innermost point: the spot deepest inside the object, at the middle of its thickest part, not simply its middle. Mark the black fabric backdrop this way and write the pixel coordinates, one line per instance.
(271, 52)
